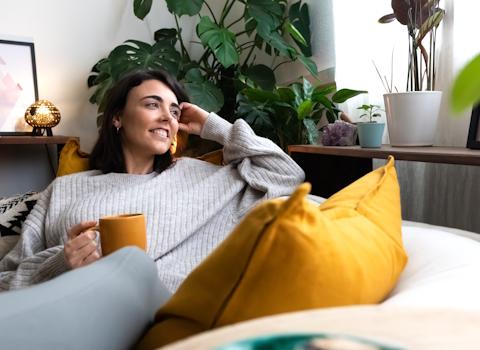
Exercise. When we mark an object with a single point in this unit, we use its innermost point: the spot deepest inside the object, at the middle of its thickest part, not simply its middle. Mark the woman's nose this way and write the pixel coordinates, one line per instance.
(165, 113)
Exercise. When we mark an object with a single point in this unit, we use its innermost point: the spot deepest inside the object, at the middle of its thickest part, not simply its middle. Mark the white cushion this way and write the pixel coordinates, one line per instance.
(442, 271)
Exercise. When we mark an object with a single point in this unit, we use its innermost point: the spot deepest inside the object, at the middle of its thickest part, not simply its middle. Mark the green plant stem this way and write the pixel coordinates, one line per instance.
(433, 38)
(246, 43)
(223, 12)
(281, 63)
(226, 11)
(211, 12)
(249, 54)
(182, 45)
(240, 33)
(247, 47)
(235, 22)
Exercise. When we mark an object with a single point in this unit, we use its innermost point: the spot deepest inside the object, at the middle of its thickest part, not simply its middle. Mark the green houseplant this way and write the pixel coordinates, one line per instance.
(412, 115)
(290, 114)
(370, 132)
(230, 45)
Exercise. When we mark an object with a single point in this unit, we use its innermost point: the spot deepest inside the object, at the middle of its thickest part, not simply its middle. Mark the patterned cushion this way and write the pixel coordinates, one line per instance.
(13, 212)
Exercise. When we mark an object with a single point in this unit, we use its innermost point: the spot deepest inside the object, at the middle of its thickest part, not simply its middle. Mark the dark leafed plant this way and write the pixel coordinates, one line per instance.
(422, 18)
(230, 44)
(289, 115)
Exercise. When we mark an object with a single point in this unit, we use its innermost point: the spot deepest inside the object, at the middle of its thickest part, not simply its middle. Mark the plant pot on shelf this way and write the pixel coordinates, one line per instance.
(370, 134)
(412, 117)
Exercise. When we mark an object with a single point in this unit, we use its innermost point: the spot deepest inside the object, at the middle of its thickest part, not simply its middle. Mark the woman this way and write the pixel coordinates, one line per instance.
(190, 205)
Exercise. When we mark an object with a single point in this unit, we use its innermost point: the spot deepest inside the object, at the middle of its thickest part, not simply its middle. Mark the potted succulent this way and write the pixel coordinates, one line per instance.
(370, 133)
(412, 115)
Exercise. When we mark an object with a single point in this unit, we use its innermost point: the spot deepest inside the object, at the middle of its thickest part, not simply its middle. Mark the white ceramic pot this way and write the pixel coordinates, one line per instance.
(412, 117)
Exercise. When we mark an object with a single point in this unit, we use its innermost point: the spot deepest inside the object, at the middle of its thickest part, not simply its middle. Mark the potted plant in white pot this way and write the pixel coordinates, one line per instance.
(370, 133)
(412, 115)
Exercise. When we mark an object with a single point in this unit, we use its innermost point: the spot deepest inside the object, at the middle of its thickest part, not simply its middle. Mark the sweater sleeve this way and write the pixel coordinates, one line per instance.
(30, 261)
(259, 161)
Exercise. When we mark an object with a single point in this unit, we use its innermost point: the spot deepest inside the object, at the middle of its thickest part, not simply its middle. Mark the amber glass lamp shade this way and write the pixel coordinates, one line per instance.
(43, 116)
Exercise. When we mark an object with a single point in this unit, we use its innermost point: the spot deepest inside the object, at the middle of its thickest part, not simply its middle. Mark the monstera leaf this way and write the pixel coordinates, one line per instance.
(220, 40)
(262, 75)
(267, 12)
(299, 17)
(184, 7)
(131, 55)
(203, 92)
(141, 8)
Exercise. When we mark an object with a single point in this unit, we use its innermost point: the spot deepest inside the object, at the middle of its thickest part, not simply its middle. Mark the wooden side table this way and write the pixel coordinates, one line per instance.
(331, 168)
(58, 140)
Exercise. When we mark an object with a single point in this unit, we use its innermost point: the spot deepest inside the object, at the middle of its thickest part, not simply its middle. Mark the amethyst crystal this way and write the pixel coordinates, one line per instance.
(339, 133)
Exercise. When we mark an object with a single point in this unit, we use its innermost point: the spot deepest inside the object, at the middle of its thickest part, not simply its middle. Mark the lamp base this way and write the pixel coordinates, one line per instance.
(37, 131)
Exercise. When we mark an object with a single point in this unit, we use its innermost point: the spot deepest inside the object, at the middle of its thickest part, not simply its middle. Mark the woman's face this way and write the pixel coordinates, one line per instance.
(149, 121)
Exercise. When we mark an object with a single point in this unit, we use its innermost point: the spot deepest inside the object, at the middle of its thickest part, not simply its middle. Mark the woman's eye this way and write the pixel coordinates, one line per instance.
(175, 113)
(152, 105)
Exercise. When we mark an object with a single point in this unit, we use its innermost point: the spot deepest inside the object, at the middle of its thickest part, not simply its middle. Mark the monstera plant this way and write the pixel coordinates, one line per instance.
(230, 42)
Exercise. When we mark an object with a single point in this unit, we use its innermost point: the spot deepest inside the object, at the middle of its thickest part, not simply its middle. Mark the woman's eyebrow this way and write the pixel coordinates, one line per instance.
(159, 99)
(155, 97)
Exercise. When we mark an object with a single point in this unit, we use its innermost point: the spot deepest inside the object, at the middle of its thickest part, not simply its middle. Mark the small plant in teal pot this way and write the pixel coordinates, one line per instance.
(370, 133)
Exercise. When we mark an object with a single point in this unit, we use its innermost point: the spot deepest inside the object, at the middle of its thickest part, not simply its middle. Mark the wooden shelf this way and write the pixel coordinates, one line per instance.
(447, 155)
(35, 140)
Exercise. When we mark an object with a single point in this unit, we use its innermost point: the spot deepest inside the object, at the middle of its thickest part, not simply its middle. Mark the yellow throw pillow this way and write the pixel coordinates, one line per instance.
(214, 157)
(293, 255)
(72, 160)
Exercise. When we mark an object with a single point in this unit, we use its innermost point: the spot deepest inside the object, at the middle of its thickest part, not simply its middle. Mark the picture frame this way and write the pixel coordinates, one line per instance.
(18, 84)
(473, 140)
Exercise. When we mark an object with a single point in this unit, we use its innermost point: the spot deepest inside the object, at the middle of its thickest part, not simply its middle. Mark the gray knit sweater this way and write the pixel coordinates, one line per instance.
(189, 208)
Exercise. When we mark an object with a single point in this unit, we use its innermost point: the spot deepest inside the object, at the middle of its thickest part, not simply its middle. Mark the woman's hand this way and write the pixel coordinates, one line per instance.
(81, 247)
(192, 119)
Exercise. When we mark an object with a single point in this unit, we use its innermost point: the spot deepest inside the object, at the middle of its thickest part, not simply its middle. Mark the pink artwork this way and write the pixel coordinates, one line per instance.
(9, 95)
(18, 87)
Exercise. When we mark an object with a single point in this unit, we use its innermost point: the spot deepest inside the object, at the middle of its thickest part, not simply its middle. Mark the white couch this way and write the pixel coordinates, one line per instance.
(108, 304)
(435, 304)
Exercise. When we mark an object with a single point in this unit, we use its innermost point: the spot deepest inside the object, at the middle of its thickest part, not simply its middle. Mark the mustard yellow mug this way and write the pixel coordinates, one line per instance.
(118, 231)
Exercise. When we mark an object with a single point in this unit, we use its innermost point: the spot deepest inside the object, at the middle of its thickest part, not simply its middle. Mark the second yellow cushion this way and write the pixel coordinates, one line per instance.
(293, 255)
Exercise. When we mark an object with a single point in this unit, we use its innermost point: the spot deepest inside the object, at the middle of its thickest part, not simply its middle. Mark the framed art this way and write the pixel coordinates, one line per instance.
(18, 83)
(473, 140)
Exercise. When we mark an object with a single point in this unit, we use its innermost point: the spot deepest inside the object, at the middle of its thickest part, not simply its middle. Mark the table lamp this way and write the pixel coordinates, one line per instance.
(43, 116)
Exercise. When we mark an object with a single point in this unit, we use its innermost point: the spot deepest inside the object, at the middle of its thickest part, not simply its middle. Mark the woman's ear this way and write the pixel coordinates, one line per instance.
(117, 122)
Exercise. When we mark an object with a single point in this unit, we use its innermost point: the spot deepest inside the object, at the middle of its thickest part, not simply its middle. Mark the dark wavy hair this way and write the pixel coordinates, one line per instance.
(107, 154)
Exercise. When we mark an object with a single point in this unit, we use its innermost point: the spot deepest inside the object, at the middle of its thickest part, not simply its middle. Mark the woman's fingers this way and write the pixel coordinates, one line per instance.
(79, 228)
(81, 245)
(93, 256)
(78, 249)
(193, 118)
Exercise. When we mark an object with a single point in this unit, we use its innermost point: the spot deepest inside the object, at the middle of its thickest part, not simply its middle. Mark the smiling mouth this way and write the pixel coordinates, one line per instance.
(160, 132)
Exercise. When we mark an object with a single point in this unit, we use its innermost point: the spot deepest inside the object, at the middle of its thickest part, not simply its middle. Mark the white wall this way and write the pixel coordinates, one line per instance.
(69, 37)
